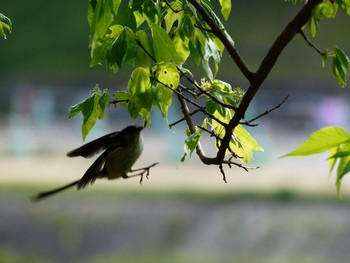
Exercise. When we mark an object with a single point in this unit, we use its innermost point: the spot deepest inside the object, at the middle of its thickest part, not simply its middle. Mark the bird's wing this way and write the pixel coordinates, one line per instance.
(91, 148)
(94, 170)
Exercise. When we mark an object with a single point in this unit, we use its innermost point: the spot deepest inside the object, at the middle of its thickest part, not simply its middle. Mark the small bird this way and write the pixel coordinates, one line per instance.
(121, 150)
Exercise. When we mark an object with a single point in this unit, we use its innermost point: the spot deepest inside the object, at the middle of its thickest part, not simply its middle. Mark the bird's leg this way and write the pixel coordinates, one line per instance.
(141, 172)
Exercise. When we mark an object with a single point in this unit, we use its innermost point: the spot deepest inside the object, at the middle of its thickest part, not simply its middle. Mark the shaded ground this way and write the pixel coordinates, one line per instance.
(176, 227)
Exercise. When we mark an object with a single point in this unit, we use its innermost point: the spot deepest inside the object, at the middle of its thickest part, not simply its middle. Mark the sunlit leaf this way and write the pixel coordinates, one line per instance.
(321, 140)
(182, 47)
(166, 79)
(191, 143)
(339, 71)
(163, 46)
(345, 5)
(245, 145)
(140, 93)
(100, 17)
(225, 8)
(100, 46)
(167, 73)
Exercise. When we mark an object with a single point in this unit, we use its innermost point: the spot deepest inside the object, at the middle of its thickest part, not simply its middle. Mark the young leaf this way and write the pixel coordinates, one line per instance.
(321, 140)
(5, 23)
(343, 169)
(191, 143)
(339, 71)
(225, 8)
(100, 17)
(92, 109)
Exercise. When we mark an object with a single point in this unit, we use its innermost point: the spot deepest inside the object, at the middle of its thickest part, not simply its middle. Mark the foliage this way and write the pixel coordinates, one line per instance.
(5, 23)
(92, 109)
(333, 139)
(158, 38)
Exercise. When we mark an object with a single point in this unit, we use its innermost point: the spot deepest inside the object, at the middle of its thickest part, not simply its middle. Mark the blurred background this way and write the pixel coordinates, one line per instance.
(285, 211)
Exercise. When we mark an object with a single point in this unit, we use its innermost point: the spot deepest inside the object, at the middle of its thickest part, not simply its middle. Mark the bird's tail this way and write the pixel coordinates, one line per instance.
(54, 191)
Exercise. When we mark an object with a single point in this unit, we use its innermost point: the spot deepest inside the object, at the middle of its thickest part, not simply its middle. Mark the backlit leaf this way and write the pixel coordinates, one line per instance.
(321, 140)
(163, 46)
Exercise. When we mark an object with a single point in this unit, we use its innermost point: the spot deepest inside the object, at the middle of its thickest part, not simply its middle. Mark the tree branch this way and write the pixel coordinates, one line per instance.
(191, 126)
(265, 68)
(249, 122)
(219, 33)
(310, 43)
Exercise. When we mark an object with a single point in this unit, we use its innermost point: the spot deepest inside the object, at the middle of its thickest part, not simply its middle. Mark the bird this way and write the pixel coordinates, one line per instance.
(120, 149)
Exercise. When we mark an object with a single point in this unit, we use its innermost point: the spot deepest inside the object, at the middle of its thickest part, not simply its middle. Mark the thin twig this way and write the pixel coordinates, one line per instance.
(117, 101)
(264, 113)
(308, 41)
(207, 93)
(183, 119)
(172, 9)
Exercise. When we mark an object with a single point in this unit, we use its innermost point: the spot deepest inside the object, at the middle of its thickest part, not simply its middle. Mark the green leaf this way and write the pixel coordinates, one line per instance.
(167, 73)
(332, 161)
(144, 51)
(116, 54)
(101, 46)
(344, 5)
(321, 140)
(91, 108)
(163, 46)
(313, 25)
(191, 143)
(339, 71)
(187, 27)
(5, 23)
(182, 47)
(140, 93)
(122, 98)
(343, 58)
(126, 18)
(100, 17)
(172, 17)
(343, 169)
(243, 144)
(225, 8)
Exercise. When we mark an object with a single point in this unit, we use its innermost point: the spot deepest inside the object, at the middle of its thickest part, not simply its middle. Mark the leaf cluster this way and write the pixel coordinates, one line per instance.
(328, 9)
(157, 38)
